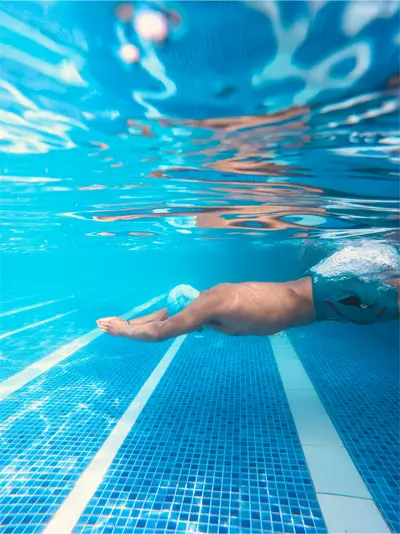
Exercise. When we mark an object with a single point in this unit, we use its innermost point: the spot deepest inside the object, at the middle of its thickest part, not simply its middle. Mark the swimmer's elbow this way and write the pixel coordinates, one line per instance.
(158, 337)
(152, 333)
(158, 334)
(173, 327)
(163, 332)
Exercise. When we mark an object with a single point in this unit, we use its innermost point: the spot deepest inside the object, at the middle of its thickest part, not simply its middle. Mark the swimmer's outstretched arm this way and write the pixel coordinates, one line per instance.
(195, 315)
(268, 308)
(159, 315)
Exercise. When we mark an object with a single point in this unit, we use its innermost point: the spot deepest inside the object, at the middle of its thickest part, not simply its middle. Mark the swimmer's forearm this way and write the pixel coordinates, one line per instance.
(143, 332)
(159, 315)
(159, 330)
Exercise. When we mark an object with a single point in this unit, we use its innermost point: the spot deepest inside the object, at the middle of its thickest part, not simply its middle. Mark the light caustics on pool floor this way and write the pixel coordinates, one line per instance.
(203, 434)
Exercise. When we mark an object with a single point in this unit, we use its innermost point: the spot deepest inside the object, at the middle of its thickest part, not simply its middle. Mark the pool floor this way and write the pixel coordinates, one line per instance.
(296, 433)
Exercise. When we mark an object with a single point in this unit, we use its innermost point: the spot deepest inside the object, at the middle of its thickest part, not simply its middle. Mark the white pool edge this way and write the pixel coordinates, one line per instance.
(344, 499)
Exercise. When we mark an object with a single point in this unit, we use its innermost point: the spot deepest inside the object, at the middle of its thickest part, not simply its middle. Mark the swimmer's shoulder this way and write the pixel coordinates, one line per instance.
(219, 289)
(220, 296)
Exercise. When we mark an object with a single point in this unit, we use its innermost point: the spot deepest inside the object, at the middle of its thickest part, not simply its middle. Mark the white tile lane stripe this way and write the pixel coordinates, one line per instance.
(337, 482)
(72, 508)
(32, 307)
(34, 325)
(15, 300)
(12, 384)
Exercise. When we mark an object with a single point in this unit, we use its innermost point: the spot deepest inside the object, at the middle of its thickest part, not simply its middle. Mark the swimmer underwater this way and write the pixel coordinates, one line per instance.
(358, 284)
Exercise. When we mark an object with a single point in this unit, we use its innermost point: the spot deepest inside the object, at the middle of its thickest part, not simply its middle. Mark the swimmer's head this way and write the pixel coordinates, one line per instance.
(354, 284)
(364, 260)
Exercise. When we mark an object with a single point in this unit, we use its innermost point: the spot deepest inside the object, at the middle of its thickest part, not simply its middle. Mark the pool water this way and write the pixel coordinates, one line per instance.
(149, 144)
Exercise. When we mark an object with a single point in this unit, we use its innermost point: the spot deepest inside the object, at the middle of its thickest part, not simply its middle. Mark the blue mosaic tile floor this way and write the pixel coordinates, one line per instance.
(51, 429)
(48, 337)
(215, 450)
(356, 373)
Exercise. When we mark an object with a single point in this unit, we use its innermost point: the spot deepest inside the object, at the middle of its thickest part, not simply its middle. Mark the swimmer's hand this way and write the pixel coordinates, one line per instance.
(158, 326)
(113, 325)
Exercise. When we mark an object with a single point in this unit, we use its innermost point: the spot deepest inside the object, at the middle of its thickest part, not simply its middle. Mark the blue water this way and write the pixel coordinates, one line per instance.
(248, 143)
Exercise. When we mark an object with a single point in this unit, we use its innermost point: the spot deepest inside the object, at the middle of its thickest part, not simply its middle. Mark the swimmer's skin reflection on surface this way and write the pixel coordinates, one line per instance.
(268, 308)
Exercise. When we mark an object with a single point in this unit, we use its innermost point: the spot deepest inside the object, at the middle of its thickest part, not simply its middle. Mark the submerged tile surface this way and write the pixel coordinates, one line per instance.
(356, 373)
(22, 349)
(215, 450)
(51, 429)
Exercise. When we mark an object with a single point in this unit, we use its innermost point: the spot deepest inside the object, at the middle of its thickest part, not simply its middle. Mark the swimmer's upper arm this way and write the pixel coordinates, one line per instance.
(195, 315)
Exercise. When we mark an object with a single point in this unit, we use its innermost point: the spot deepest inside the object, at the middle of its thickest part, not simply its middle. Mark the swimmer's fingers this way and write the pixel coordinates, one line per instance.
(115, 326)
(107, 320)
(103, 321)
(103, 326)
(107, 323)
